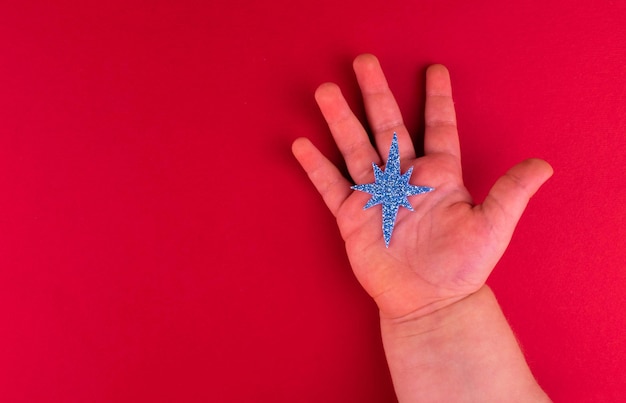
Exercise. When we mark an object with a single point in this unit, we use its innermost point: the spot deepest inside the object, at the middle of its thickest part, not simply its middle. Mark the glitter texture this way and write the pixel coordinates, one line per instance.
(391, 189)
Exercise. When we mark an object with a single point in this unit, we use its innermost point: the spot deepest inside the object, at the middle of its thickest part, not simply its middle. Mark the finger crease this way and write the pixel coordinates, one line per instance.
(389, 125)
(441, 122)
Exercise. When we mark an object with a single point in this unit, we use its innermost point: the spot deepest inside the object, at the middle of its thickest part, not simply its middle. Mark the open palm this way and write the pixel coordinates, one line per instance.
(446, 248)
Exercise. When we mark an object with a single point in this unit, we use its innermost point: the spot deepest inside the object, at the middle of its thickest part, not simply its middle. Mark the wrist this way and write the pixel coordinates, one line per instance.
(451, 314)
(464, 351)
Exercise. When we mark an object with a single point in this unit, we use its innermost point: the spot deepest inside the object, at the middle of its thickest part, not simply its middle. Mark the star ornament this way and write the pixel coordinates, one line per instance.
(391, 188)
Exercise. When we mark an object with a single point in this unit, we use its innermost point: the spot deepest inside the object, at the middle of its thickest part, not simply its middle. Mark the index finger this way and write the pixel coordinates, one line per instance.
(440, 135)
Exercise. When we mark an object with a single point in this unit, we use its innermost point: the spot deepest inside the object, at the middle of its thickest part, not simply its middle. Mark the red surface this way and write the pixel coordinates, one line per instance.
(158, 242)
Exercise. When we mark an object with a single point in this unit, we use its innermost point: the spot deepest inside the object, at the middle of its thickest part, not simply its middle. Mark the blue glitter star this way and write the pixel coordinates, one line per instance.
(391, 189)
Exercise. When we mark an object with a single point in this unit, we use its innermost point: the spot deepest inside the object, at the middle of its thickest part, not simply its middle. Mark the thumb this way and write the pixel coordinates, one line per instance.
(509, 196)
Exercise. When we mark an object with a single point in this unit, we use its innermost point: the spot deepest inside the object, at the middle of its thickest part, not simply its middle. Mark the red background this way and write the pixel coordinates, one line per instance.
(159, 243)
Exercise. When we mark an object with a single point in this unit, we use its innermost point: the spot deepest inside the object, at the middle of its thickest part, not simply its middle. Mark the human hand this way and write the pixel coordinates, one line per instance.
(445, 249)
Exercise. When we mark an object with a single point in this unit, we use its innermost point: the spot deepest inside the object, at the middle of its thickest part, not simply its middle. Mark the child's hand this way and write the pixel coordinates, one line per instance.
(445, 249)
